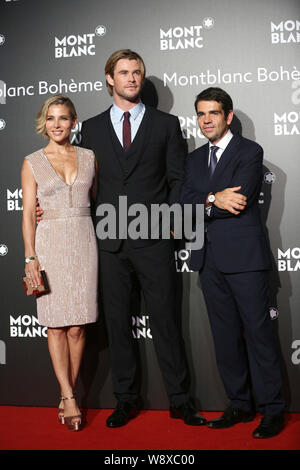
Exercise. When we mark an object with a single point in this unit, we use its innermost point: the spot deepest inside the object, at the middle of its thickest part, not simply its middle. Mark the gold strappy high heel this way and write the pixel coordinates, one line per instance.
(73, 422)
(60, 413)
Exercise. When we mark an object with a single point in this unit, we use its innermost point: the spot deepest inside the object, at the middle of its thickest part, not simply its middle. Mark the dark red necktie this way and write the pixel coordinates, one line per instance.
(126, 131)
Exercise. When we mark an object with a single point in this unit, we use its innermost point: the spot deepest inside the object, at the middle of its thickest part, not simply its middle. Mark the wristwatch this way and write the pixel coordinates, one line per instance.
(30, 258)
(211, 198)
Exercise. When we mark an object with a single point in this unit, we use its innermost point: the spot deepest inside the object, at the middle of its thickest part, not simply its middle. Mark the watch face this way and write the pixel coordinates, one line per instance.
(211, 198)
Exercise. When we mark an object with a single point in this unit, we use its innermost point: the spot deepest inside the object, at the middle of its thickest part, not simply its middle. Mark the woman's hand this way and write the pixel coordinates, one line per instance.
(32, 271)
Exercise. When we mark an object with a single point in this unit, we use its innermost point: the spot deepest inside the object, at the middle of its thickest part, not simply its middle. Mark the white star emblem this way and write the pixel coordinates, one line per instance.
(2, 124)
(273, 313)
(100, 30)
(269, 177)
(2, 39)
(3, 250)
(208, 23)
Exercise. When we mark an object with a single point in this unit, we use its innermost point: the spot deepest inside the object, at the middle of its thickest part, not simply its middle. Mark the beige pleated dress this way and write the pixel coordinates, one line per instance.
(65, 242)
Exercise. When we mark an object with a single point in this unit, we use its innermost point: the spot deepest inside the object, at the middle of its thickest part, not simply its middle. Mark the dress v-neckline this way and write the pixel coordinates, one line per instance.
(61, 179)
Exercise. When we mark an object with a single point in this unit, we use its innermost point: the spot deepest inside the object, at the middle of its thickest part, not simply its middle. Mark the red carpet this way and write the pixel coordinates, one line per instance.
(26, 428)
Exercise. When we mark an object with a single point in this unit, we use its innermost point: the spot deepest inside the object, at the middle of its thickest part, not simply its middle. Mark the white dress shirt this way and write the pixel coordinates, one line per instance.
(117, 117)
(222, 144)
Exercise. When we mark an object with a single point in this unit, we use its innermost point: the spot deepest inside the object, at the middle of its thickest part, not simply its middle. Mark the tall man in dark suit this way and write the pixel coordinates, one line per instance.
(140, 153)
(225, 175)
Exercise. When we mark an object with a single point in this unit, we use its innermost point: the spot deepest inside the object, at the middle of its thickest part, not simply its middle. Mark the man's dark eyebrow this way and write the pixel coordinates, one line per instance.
(210, 111)
(126, 70)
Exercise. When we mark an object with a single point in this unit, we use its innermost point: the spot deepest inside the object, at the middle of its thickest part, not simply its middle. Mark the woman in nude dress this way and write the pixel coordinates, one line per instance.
(63, 178)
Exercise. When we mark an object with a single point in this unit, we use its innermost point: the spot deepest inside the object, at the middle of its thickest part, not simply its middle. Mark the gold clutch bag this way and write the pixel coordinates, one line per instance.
(43, 288)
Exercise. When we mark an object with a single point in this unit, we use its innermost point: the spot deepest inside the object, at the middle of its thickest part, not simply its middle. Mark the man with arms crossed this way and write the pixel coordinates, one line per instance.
(225, 175)
(140, 153)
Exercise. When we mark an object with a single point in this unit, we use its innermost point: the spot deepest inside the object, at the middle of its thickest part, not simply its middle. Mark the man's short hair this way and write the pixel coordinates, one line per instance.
(216, 94)
(115, 57)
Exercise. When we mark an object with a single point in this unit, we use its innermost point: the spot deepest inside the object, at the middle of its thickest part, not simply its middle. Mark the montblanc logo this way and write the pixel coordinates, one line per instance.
(14, 200)
(2, 39)
(287, 123)
(77, 45)
(26, 326)
(289, 260)
(285, 32)
(190, 128)
(182, 258)
(184, 37)
(274, 313)
(269, 177)
(75, 134)
(2, 124)
(261, 198)
(141, 327)
(3, 249)
(100, 30)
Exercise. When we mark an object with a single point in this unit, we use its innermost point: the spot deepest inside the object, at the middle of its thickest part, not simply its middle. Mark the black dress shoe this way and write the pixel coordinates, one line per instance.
(188, 413)
(269, 426)
(124, 411)
(230, 417)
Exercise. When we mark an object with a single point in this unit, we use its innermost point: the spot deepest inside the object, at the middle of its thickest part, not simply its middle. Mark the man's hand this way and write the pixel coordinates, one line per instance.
(38, 211)
(230, 200)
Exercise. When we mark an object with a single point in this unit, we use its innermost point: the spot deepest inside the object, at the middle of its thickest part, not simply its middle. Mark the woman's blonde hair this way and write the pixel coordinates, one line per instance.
(115, 57)
(40, 126)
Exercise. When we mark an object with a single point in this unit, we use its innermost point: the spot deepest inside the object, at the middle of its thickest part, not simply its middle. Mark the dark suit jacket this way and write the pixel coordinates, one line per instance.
(238, 241)
(151, 172)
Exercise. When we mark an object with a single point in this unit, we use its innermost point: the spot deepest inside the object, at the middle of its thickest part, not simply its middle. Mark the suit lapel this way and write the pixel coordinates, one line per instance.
(201, 173)
(227, 155)
(117, 148)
